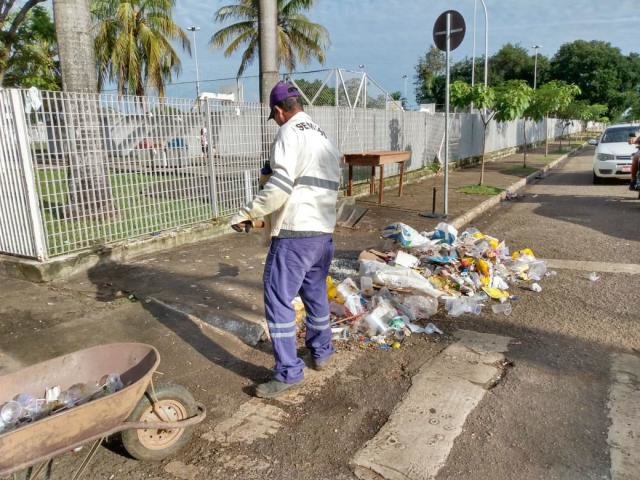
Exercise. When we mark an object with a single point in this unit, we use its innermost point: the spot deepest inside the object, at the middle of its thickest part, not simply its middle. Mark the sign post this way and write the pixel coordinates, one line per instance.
(448, 33)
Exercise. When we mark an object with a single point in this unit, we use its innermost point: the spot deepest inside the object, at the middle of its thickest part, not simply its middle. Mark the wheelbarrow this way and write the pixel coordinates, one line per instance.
(154, 421)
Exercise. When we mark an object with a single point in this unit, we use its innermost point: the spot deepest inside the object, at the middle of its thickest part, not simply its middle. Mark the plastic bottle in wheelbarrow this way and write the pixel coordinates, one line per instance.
(10, 414)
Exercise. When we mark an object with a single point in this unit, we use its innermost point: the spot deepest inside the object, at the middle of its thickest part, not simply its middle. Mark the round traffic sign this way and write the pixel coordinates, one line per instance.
(457, 28)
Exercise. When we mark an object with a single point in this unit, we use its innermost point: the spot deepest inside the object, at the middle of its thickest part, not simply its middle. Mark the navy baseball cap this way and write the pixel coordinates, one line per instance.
(280, 92)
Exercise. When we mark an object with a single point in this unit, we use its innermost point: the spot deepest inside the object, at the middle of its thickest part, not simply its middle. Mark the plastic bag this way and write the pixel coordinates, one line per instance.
(405, 235)
(445, 232)
(419, 306)
(408, 279)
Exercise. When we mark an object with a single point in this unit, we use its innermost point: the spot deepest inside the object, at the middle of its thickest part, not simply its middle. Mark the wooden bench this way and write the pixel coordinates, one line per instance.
(373, 159)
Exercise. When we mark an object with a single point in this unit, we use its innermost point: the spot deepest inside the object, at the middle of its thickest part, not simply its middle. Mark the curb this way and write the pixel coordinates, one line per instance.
(239, 329)
(70, 264)
(475, 212)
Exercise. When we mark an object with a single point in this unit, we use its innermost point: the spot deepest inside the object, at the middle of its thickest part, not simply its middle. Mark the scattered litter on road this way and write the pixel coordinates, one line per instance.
(382, 298)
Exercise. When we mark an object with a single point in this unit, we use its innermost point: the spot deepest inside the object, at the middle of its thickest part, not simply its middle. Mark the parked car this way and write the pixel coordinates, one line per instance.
(612, 158)
(180, 143)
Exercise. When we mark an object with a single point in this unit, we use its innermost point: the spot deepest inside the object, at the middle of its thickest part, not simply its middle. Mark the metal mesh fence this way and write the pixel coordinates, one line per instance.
(106, 169)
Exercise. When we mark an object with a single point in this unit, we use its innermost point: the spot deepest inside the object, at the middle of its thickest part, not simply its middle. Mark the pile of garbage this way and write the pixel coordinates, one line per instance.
(421, 273)
(26, 408)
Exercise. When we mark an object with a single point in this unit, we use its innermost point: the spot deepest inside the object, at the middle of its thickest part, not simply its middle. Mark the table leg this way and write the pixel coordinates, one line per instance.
(381, 185)
(372, 181)
(350, 184)
(401, 179)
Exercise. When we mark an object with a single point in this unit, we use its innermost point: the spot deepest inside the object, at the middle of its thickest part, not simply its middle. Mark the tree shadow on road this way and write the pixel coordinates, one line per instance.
(114, 280)
(612, 216)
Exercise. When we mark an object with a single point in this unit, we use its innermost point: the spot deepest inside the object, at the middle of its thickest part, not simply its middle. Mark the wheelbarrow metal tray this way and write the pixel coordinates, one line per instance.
(67, 429)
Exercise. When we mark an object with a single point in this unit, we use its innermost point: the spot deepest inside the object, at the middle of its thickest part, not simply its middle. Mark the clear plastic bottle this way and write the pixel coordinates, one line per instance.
(502, 308)
(537, 269)
(11, 412)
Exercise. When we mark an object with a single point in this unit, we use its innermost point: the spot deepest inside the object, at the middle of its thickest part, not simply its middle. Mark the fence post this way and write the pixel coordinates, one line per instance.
(24, 151)
(213, 184)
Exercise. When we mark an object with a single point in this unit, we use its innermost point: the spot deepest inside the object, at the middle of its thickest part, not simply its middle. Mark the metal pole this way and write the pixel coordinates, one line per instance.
(211, 169)
(535, 66)
(337, 86)
(405, 89)
(446, 121)
(268, 48)
(473, 51)
(486, 44)
(535, 70)
(194, 29)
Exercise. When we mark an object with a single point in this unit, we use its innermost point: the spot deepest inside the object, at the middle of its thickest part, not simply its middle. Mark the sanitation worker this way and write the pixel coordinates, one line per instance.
(300, 200)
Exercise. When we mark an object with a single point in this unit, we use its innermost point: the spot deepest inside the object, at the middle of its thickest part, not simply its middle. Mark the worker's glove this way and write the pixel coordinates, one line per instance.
(265, 174)
(263, 180)
(242, 226)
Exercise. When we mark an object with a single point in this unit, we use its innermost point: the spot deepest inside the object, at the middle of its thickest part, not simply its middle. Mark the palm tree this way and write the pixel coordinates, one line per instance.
(299, 39)
(133, 44)
(89, 191)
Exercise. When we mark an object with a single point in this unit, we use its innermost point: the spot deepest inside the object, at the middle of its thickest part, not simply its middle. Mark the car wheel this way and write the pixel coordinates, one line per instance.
(597, 180)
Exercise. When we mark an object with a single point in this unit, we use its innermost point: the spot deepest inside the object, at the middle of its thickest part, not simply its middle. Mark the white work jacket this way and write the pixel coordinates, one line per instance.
(302, 192)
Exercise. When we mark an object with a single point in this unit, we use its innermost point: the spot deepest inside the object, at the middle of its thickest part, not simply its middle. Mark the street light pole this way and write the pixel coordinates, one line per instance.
(486, 44)
(473, 52)
(535, 66)
(194, 29)
(404, 77)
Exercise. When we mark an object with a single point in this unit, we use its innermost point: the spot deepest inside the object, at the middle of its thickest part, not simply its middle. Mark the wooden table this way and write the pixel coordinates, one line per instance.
(373, 159)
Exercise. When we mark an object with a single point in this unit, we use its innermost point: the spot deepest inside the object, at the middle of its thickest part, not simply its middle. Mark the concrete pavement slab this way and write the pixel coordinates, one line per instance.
(416, 440)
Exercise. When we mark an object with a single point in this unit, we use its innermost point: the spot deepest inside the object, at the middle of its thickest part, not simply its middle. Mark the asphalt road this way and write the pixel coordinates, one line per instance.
(548, 418)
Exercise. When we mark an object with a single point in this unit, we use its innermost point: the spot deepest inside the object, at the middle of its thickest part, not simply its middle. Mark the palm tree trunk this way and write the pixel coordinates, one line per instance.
(88, 181)
(268, 48)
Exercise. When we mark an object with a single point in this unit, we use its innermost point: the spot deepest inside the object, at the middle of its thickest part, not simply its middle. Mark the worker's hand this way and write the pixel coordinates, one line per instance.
(242, 226)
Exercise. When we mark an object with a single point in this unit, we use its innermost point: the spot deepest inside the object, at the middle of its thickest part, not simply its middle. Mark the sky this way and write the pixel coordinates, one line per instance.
(388, 36)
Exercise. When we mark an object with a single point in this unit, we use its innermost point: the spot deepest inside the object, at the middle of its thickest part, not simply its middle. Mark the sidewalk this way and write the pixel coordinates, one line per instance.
(219, 282)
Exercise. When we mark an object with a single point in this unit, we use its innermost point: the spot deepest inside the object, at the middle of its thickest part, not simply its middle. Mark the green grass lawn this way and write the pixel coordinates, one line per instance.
(480, 190)
(145, 204)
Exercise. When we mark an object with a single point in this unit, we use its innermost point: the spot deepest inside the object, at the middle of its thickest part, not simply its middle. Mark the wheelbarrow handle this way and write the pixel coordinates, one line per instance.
(187, 422)
(161, 425)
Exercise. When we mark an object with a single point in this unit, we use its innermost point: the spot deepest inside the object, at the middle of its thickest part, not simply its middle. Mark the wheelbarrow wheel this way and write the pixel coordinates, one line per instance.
(175, 403)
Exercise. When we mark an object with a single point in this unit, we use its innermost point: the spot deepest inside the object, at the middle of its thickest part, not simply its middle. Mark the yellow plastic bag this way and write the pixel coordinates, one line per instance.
(524, 251)
(496, 293)
(332, 291)
(482, 266)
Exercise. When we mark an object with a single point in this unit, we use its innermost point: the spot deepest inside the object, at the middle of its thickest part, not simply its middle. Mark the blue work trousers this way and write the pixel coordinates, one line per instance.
(297, 266)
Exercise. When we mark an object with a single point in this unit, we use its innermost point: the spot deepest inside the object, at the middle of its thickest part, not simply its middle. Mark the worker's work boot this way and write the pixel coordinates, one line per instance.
(273, 388)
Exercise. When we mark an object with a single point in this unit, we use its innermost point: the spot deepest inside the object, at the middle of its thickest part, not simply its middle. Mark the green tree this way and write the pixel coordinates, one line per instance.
(397, 96)
(504, 103)
(600, 70)
(429, 68)
(133, 44)
(89, 190)
(483, 98)
(34, 55)
(327, 97)
(513, 62)
(299, 39)
(512, 101)
(12, 16)
(550, 98)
